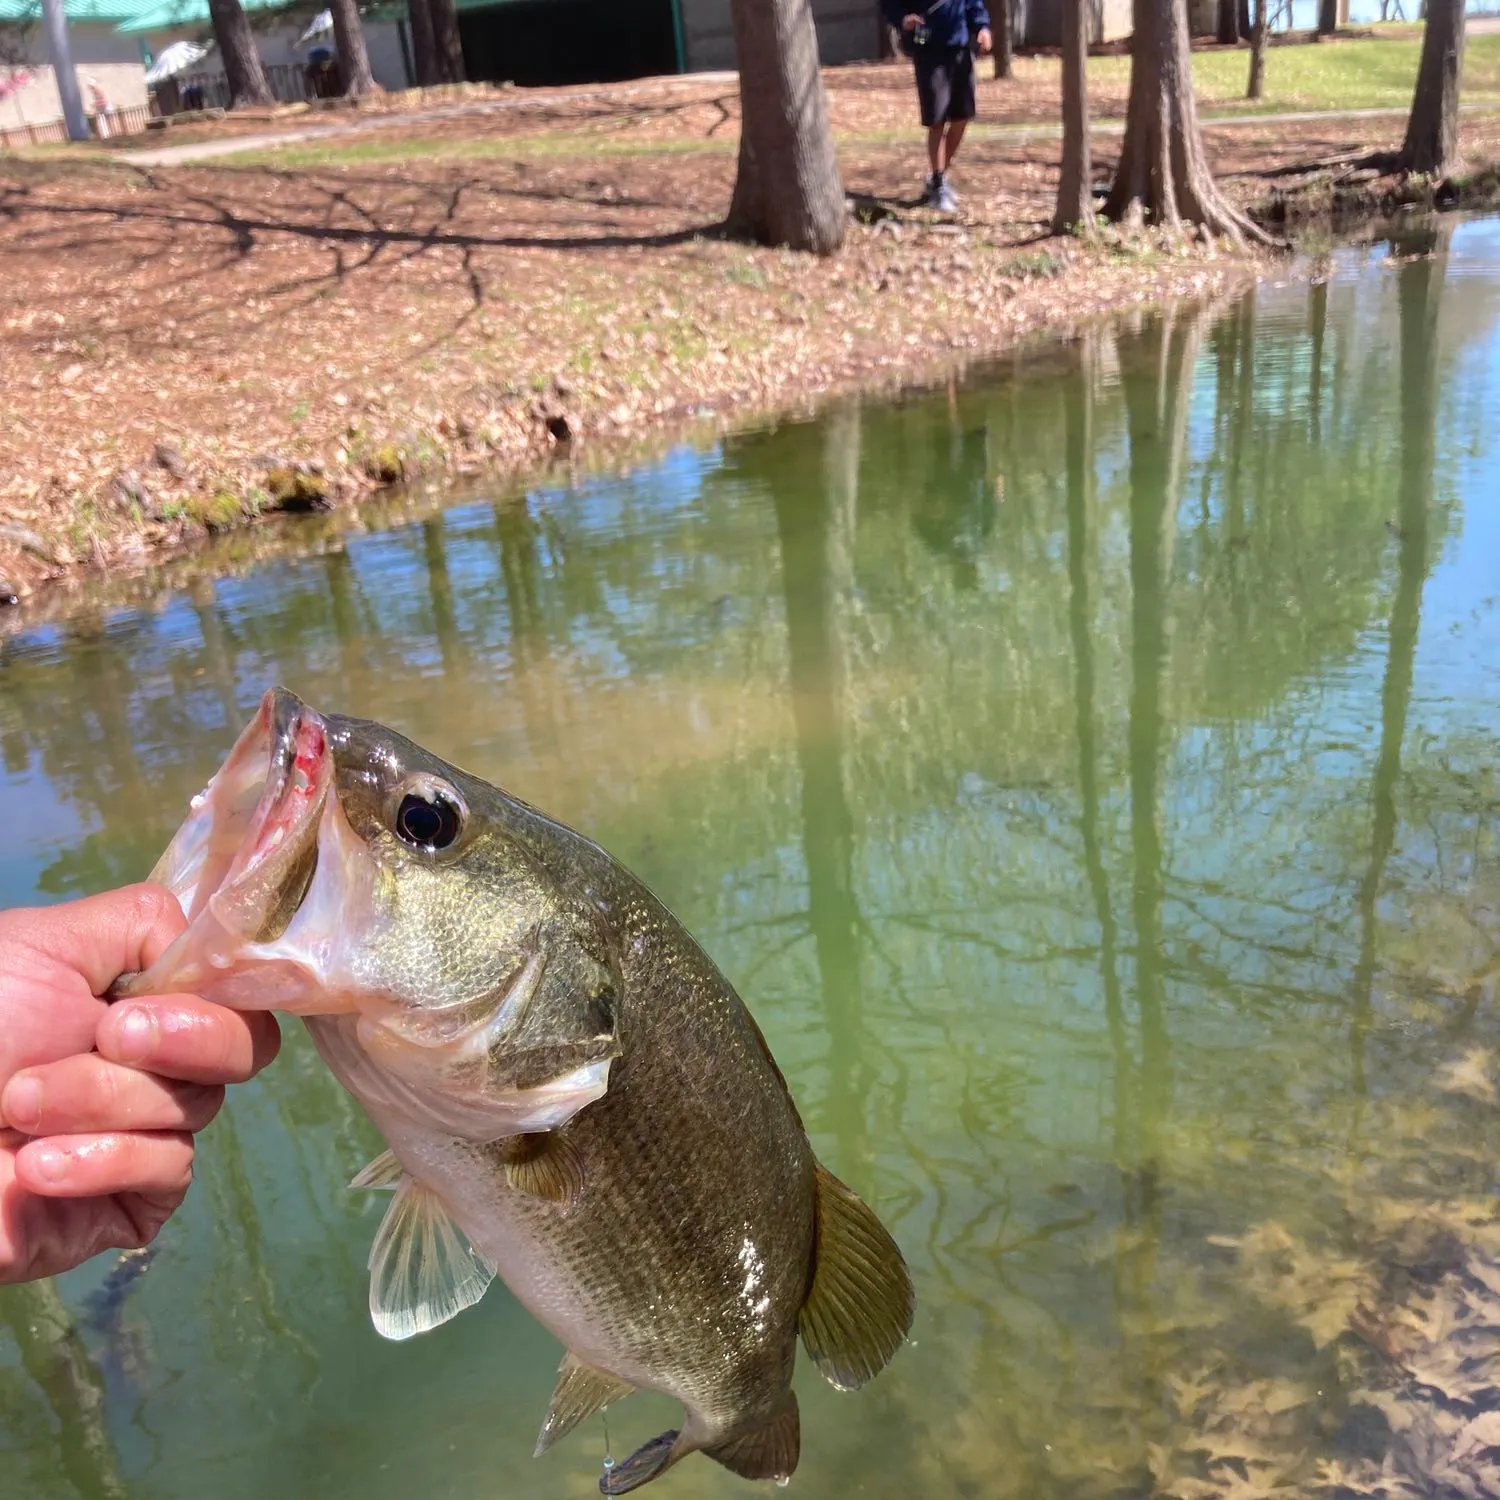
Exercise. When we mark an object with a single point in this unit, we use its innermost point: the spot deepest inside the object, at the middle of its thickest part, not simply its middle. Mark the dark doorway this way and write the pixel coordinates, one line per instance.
(569, 41)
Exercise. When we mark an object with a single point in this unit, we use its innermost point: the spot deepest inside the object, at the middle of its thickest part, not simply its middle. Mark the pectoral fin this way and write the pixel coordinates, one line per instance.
(581, 1391)
(384, 1173)
(860, 1307)
(769, 1451)
(544, 1165)
(423, 1270)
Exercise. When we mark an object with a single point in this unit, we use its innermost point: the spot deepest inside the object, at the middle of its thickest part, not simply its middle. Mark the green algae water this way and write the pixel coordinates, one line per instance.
(1087, 774)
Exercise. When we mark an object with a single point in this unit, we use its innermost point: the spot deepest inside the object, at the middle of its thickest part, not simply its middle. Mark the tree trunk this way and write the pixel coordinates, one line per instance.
(1005, 38)
(1075, 198)
(349, 40)
(1256, 88)
(1229, 23)
(787, 189)
(1242, 9)
(1163, 173)
(1432, 131)
(423, 48)
(1328, 17)
(447, 45)
(242, 69)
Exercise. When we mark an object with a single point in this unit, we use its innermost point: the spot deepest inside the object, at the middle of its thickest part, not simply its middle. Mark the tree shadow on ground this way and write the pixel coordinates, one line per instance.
(172, 236)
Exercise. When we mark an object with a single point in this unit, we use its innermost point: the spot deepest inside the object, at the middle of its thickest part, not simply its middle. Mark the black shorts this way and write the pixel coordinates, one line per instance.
(945, 83)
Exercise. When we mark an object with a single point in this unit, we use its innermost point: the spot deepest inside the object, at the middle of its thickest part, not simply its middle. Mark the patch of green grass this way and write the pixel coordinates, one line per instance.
(391, 147)
(1031, 263)
(1365, 73)
(1376, 73)
(746, 273)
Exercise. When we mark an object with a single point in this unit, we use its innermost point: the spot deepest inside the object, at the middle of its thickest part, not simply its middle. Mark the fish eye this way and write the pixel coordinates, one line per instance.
(429, 819)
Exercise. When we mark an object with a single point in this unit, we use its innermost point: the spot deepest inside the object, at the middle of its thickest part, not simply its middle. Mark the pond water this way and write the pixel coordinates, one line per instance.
(1087, 773)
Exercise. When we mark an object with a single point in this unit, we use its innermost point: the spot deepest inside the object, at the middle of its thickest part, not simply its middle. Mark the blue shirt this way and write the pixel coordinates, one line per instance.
(951, 24)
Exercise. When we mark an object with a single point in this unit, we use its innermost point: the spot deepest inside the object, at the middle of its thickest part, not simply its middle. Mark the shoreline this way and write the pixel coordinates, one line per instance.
(451, 471)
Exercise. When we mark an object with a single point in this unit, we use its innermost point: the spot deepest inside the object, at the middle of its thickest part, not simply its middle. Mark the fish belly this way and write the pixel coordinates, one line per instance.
(522, 1245)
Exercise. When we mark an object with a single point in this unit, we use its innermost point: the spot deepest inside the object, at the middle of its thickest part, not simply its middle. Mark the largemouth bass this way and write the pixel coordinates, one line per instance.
(573, 1096)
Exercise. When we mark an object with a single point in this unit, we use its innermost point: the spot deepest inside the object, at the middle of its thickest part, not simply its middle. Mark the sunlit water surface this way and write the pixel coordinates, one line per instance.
(1087, 775)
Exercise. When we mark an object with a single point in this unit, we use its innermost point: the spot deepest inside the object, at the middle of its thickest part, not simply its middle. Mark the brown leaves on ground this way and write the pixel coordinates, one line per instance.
(477, 289)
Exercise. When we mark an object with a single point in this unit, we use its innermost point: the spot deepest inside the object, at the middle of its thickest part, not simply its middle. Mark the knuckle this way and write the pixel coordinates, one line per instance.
(266, 1040)
(202, 1103)
(182, 1178)
(153, 903)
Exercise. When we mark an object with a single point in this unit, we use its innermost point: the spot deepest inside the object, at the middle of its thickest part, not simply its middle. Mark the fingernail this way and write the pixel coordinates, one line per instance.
(48, 1163)
(21, 1105)
(135, 1035)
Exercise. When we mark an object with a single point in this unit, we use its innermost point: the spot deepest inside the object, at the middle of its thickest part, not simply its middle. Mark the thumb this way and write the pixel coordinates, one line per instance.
(104, 936)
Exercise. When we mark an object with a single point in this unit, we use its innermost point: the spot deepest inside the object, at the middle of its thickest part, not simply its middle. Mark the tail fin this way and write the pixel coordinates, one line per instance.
(769, 1451)
(860, 1307)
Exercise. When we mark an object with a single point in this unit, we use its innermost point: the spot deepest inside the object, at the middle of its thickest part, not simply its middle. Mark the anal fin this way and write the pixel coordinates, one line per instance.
(381, 1173)
(860, 1307)
(423, 1270)
(581, 1391)
(649, 1460)
(769, 1451)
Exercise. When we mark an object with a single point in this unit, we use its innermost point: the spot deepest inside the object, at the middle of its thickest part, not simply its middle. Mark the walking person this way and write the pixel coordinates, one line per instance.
(941, 39)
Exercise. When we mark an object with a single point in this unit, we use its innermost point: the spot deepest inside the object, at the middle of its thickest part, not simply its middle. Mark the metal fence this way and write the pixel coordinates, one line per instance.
(288, 82)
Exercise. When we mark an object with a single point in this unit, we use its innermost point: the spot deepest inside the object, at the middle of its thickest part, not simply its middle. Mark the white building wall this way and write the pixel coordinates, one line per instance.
(383, 42)
(100, 55)
(278, 48)
(848, 31)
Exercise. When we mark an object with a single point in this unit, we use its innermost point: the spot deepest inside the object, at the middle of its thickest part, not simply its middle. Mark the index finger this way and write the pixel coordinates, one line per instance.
(184, 1037)
(104, 936)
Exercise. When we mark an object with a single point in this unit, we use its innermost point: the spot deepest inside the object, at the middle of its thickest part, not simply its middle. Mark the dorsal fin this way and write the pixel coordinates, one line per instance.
(860, 1305)
(545, 1165)
(581, 1391)
(423, 1270)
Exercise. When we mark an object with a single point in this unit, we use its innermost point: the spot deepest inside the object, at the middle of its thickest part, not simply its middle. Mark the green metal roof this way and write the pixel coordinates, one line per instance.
(80, 10)
(172, 15)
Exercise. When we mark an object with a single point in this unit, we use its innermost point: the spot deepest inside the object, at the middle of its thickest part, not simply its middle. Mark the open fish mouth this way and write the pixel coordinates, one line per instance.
(263, 868)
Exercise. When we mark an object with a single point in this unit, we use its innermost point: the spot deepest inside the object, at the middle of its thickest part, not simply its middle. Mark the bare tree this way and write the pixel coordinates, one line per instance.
(1075, 194)
(242, 69)
(1228, 32)
(1163, 173)
(448, 47)
(1432, 131)
(18, 35)
(1328, 17)
(424, 59)
(1005, 38)
(787, 189)
(349, 39)
(1256, 87)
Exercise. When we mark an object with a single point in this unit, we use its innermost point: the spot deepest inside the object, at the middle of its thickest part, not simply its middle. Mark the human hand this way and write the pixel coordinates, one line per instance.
(909, 21)
(985, 40)
(96, 1146)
